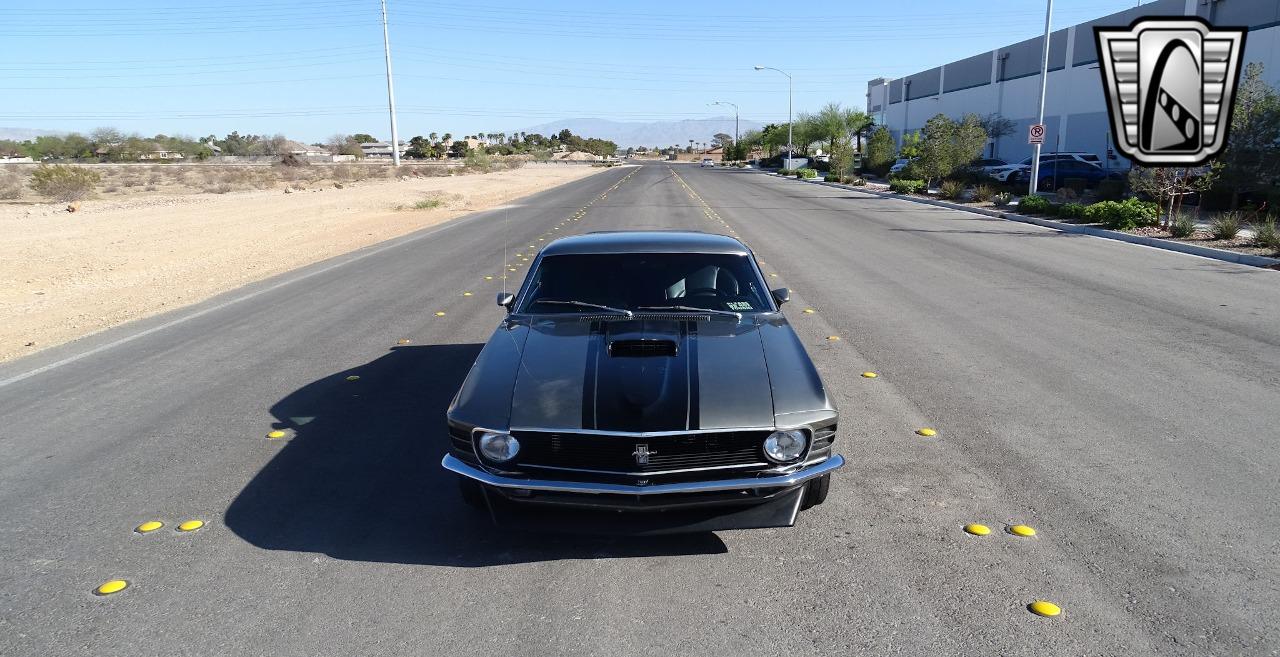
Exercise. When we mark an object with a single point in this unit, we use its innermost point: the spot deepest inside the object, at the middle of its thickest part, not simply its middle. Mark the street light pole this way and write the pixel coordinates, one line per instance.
(1044, 84)
(391, 92)
(790, 150)
(735, 118)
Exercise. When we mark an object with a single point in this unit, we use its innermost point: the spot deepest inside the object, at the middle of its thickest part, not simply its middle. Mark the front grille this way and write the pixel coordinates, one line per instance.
(619, 454)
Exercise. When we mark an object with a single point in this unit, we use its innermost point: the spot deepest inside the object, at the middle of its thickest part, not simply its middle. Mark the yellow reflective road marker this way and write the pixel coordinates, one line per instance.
(833, 338)
(113, 586)
(869, 375)
(276, 435)
(488, 278)
(148, 526)
(1044, 608)
(773, 275)
(466, 294)
(403, 341)
(809, 311)
(353, 377)
(1022, 530)
(926, 432)
(439, 313)
(977, 529)
(190, 525)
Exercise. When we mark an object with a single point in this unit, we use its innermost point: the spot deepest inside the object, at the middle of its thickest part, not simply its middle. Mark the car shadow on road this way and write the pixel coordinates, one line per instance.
(360, 477)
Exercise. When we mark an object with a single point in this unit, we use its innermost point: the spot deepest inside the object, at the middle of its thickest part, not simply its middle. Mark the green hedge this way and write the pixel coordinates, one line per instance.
(806, 173)
(1072, 211)
(1123, 215)
(905, 186)
(1034, 205)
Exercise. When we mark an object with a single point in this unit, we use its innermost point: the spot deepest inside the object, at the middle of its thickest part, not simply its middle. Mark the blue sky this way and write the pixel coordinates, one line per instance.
(312, 68)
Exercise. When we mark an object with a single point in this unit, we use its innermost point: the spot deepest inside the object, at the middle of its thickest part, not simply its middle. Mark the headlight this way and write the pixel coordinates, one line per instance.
(498, 447)
(784, 446)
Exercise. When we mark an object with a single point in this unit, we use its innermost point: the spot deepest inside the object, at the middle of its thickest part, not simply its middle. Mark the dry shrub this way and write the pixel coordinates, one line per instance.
(11, 183)
(64, 183)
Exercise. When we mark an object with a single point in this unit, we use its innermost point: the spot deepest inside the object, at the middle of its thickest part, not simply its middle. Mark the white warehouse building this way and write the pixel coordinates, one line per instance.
(1006, 81)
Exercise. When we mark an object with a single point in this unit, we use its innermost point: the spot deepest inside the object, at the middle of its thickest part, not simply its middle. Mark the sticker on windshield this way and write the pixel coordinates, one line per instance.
(738, 305)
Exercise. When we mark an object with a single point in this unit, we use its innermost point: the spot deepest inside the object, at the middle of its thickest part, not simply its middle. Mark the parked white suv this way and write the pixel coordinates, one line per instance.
(707, 162)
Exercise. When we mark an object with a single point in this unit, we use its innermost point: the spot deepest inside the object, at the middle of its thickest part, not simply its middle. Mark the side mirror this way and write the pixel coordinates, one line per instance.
(781, 295)
(505, 299)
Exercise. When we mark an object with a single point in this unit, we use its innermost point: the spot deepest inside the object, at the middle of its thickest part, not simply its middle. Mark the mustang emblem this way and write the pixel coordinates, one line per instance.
(642, 454)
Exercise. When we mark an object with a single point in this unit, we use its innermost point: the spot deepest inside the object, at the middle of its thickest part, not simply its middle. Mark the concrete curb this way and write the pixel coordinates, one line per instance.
(1153, 242)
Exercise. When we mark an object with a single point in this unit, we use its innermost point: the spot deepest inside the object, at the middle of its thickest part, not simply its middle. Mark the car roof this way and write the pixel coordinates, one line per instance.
(646, 241)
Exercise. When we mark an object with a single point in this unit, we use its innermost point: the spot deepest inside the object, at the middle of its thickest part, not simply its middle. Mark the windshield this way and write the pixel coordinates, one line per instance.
(645, 282)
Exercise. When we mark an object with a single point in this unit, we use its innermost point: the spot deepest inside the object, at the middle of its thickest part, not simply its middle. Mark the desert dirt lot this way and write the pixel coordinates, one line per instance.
(119, 258)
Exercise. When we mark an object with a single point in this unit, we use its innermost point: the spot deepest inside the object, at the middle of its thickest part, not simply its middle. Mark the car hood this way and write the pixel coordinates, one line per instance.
(641, 375)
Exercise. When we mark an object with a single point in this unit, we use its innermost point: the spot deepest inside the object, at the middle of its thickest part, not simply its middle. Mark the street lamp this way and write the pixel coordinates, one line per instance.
(790, 151)
(1044, 83)
(735, 118)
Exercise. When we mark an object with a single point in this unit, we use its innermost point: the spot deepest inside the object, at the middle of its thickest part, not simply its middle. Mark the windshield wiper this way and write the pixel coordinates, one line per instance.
(728, 313)
(583, 304)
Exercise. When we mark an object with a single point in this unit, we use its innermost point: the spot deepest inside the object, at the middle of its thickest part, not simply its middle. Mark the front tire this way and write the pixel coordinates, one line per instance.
(815, 492)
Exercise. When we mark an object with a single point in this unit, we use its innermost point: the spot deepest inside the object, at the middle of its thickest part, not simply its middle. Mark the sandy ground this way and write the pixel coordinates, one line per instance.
(64, 275)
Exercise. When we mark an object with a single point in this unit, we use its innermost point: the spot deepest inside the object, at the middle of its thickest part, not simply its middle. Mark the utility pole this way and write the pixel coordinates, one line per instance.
(790, 150)
(1044, 85)
(391, 92)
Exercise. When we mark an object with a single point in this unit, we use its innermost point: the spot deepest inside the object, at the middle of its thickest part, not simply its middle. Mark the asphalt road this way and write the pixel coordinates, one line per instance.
(1123, 401)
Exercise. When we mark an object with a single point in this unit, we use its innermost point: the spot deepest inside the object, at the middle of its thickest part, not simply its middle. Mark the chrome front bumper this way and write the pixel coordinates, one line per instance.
(780, 481)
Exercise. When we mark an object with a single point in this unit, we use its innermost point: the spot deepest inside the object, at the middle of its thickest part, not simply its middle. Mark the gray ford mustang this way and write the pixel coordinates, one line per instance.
(651, 373)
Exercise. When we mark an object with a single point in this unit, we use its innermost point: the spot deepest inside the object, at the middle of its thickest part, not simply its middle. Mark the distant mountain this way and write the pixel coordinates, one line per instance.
(23, 134)
(657, 133)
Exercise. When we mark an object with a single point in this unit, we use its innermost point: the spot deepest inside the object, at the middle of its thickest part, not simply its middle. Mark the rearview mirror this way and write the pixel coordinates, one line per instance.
(505, 299)
(781, 295)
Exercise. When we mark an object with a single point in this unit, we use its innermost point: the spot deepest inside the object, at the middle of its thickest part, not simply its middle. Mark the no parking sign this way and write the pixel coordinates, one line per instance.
(1035, 135)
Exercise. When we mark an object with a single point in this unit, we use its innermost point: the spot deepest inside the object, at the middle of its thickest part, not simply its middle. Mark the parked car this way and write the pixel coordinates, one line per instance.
(1021, 171)
(986, 165)
(707, 162)
(630, 375)
(899, 166)
(1053, 174)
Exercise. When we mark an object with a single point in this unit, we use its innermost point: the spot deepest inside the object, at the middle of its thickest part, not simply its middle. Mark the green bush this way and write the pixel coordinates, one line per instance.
(1183, 226)
(905, 186)
(1002, 199)
(1110, 190)
(786, 172)
(951, 189)
(1052, 210)
(806, 173)
(1034, 205)
(63, 183)
(831, 178)
(983, 193)
(1267, 236)
(1123, 215)
(1072, 211)
(1225, 226)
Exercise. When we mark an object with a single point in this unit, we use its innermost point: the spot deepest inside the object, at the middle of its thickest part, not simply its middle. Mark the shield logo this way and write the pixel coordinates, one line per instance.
(642, 454)
(1170, 84)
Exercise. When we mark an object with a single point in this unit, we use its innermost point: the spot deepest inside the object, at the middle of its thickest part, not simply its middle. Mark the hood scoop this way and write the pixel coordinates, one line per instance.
(642, 348)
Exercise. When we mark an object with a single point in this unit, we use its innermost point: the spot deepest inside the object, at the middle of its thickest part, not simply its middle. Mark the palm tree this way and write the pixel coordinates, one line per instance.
(432, 137)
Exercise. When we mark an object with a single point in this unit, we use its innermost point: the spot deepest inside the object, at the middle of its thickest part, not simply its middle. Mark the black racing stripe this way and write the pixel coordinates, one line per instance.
(594, 347)
(642, 393)
(691, 348)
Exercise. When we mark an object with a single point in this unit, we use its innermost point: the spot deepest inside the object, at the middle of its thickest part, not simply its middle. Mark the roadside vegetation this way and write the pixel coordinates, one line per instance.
(1233, 203)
